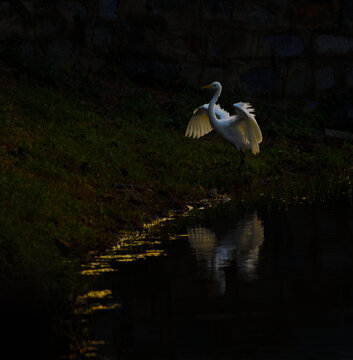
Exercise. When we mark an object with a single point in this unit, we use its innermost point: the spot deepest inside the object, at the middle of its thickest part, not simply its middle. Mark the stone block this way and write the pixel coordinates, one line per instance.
(311, 106)
(153, 70)
(74, 14)
(158, 6)
(261, 16)
(135, 36)
(297, 83)
(325, 78)
(219, 8)
(71, 9)
(259, 80)
(100, 37)
(175, 49)
(108, 9)
(192, 45)
(280, 3)
(211, 74)
(149, 21)
(27, 50)
(283, 45)
(11, 28)
(45, 28)
(222, 45)
(245, 43)
(311, 14)
(334, 45)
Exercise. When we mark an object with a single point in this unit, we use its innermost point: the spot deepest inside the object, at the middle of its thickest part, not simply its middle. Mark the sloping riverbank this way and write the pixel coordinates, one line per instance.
(86, 156)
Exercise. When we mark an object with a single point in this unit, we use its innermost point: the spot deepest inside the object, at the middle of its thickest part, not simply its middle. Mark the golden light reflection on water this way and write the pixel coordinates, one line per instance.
(130, 248)
(97, 300)
(177, 237)
(159, 221)
(100, 294)
(96, 268)
(98, 307)
(91, 349)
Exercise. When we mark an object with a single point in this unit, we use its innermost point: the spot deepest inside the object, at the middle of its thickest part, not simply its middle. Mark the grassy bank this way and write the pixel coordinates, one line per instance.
(85, 156)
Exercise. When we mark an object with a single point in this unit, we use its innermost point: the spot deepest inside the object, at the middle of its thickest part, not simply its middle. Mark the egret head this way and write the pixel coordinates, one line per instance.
(214, 85)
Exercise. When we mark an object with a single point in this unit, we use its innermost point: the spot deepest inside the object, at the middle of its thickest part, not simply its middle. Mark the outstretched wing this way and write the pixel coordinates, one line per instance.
(247, 123)
(199, 124)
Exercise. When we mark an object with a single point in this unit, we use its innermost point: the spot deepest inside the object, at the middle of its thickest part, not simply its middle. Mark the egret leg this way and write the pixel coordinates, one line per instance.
(242, 160)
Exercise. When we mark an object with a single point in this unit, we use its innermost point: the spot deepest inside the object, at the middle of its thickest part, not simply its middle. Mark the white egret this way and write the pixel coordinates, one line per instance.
(241, 130)
(241, 243)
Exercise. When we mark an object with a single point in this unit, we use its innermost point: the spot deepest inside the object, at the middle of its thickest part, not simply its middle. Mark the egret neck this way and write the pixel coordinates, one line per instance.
(211, 111)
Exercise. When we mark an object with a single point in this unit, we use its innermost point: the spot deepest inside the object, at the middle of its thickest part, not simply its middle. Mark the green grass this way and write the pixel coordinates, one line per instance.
(84, 157)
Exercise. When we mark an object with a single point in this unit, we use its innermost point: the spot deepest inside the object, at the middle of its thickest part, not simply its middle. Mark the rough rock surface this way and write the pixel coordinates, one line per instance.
(276, 48)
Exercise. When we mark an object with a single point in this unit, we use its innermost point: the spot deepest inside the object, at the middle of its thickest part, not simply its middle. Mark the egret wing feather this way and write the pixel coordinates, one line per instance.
(247, 124)
(199, 124)
(248, 112)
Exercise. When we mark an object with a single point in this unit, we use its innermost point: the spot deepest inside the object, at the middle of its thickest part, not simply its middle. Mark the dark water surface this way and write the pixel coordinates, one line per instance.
(221, 284)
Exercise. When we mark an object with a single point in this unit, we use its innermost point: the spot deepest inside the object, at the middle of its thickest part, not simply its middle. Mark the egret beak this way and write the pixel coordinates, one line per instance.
(206, 87)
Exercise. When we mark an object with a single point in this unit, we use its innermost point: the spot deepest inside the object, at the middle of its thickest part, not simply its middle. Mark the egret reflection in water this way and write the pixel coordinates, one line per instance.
(240, 244)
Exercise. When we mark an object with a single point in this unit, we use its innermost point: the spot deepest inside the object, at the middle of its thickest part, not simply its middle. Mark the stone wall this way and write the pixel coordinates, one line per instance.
(280, 49)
